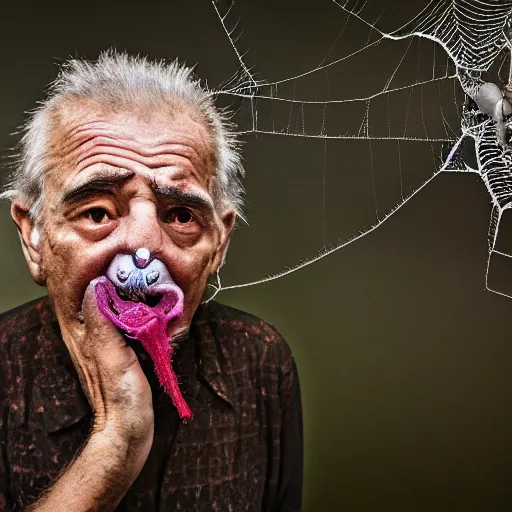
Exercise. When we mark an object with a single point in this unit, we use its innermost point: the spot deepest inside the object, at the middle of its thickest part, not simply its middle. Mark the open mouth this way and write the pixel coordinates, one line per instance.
(147, 319)
(132, 311)
(150, 299)
(163, 303)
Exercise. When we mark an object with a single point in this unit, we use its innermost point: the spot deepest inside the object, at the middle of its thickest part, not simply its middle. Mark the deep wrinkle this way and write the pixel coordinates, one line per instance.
(181, 136)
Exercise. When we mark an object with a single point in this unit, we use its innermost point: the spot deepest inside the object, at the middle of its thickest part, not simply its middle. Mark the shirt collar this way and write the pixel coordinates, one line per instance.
(202, 357)
(213, 358)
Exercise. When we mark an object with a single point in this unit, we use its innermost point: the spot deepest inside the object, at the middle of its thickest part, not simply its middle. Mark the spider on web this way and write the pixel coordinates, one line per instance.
(476, 40)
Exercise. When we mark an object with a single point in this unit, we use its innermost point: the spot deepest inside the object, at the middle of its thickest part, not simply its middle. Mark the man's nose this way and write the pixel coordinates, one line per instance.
(143, 228)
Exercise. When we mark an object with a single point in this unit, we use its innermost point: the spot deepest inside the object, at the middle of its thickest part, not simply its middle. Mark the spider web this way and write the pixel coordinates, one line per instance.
(441, 55)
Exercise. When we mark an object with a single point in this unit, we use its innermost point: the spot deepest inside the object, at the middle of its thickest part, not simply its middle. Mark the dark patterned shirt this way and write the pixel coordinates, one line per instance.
(241, 452)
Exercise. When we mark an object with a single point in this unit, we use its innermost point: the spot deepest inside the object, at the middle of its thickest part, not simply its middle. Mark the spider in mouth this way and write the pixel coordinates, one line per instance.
(145, 316)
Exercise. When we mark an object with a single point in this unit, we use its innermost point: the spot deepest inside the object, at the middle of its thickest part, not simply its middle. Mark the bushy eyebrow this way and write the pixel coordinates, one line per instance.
(104, 182)
(175, 195)
(109, 181)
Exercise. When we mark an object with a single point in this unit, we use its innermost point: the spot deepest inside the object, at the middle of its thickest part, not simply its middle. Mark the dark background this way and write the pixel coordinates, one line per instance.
(404, 357)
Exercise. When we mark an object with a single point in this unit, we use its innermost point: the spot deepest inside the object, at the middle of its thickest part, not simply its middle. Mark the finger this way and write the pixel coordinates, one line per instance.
(100, 330)
(91, 314)
(103, 334)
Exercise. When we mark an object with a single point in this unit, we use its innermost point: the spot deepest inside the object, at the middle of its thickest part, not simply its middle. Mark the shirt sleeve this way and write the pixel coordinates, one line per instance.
(289, 493)
(5, 500)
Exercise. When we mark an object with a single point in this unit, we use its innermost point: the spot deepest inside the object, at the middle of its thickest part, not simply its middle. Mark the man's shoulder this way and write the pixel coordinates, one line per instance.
(22, 320)
(247, 332)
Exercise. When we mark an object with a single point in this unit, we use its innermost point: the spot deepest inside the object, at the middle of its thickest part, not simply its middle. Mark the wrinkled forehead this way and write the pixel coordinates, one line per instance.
(151, 132)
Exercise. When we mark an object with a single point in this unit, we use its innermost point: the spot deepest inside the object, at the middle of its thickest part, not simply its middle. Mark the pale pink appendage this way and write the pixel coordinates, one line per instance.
(149, 326)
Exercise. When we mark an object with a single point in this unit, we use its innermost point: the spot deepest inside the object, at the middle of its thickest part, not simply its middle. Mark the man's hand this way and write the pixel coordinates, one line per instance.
(111, 376)
(121, 399)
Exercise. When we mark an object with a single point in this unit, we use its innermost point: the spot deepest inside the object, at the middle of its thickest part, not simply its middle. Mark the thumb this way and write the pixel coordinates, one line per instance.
(104, 338)
(96, 322)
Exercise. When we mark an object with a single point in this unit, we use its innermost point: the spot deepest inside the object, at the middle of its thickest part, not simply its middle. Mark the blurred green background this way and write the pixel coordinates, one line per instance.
(404, 357)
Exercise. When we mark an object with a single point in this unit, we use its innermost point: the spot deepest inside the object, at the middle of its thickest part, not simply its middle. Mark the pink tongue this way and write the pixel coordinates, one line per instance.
(149, 326)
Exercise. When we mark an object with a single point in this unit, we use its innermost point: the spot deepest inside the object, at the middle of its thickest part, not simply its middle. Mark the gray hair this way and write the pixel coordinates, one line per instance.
(129, 81)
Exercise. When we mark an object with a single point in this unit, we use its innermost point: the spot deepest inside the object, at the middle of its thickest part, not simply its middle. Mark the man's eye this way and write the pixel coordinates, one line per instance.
(180, 215)
(97, 215)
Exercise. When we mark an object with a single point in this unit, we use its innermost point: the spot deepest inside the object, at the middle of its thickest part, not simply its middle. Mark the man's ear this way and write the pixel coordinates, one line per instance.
(228, 223)
(30, 238)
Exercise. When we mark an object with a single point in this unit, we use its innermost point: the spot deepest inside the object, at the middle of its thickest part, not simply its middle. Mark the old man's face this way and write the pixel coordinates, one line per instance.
(118, 181)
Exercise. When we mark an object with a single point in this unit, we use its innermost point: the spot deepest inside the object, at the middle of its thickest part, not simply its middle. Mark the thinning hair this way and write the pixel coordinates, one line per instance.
(127, 82)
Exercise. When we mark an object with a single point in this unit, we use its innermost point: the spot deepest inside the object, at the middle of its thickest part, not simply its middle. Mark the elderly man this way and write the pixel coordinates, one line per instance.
(123, 389)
